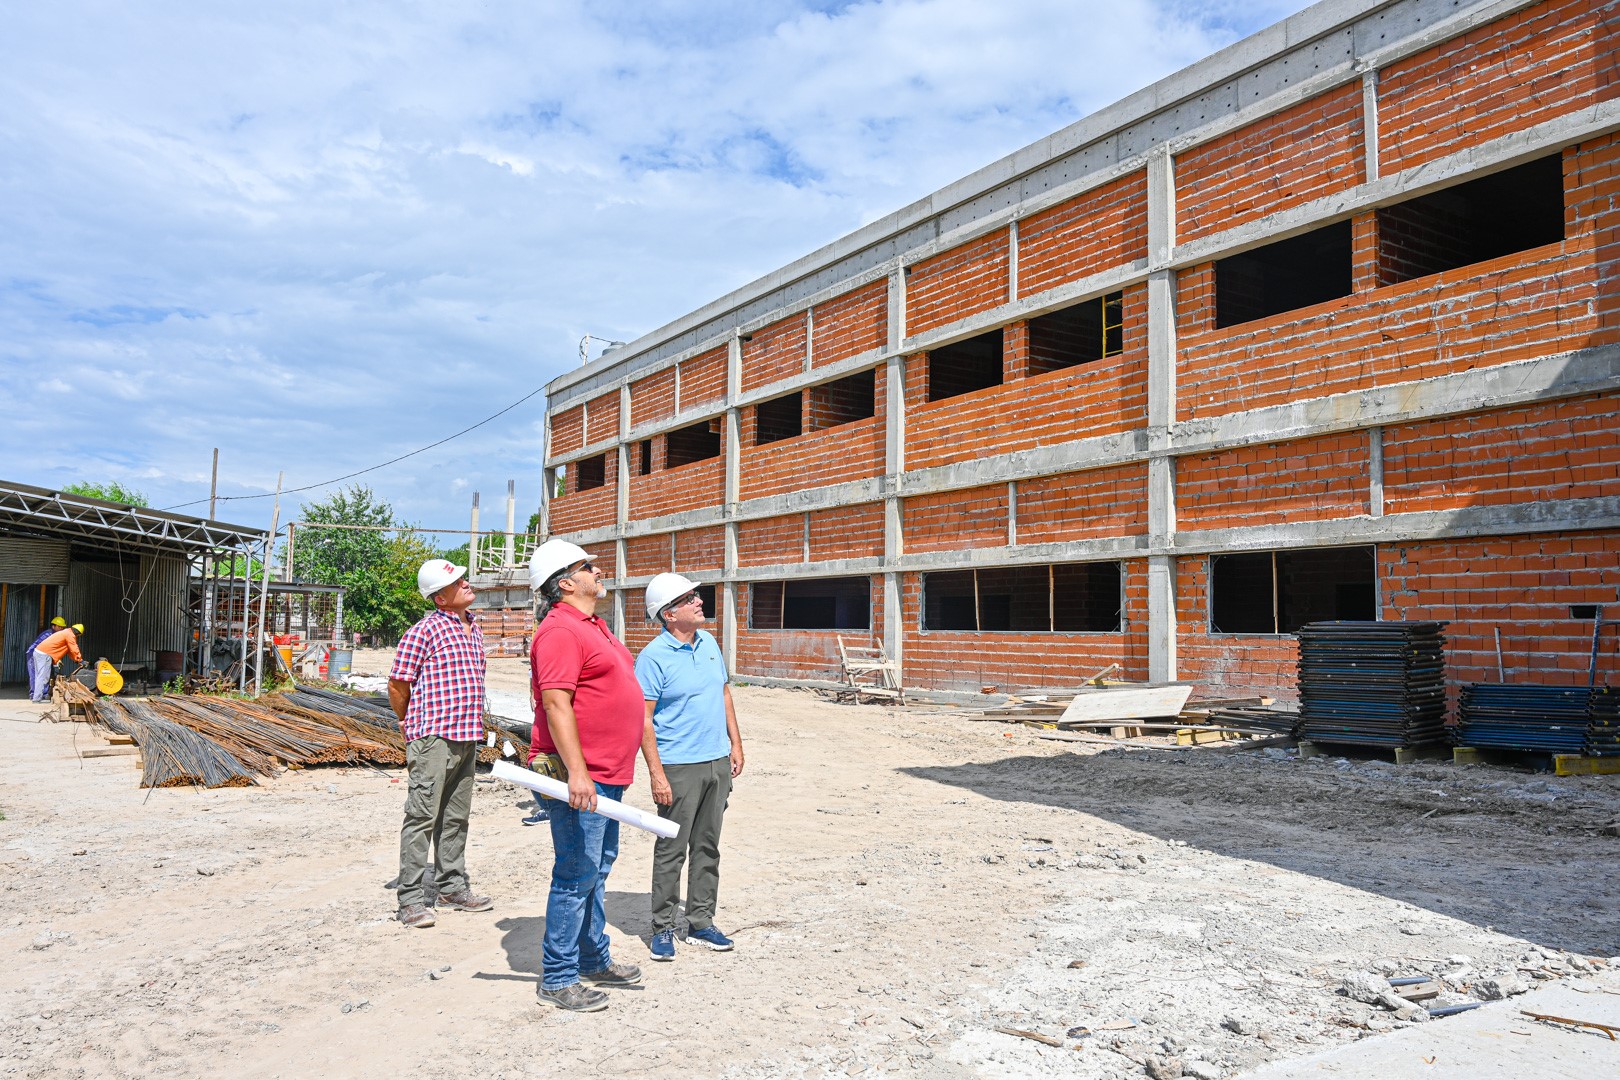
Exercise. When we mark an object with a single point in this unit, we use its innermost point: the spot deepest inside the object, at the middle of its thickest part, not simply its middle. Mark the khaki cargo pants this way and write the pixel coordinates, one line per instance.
(437, 806)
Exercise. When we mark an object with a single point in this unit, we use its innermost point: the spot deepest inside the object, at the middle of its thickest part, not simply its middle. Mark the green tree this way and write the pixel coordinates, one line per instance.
(376, 566)
(111, 491)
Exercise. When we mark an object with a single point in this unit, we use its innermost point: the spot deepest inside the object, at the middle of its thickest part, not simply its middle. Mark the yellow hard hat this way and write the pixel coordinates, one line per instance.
(59, 622)
(78, 628)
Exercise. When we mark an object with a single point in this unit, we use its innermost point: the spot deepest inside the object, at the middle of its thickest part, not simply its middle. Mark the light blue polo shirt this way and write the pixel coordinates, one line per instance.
(688, 684)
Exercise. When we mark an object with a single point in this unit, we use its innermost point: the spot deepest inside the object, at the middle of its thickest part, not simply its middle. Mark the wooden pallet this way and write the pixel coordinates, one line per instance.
(1401, 755)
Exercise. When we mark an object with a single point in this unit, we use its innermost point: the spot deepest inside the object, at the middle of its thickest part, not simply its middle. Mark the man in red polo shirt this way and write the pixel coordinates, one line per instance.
(436, 687)
(589, 713)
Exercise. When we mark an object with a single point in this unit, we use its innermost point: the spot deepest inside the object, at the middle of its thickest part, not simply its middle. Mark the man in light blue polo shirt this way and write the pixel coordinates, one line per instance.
(693, 751)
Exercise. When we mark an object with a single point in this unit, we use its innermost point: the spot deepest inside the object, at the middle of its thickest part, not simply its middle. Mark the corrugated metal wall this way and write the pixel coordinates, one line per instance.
(130, 610)
(21, 626)
(33, 562)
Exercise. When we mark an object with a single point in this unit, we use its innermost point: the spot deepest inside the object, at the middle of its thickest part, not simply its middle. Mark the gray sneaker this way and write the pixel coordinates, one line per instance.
(464, 901)
(615, 975)
(575, 998)
(416, 916)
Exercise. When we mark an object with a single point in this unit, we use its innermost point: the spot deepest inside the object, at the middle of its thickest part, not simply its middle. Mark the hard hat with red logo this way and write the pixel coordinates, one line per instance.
(435, 575)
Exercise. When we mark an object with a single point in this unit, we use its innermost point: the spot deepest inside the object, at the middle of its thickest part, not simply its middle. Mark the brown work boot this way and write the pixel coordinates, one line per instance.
(464, 901)
(575, 998)
(614, 975)
(416, 916)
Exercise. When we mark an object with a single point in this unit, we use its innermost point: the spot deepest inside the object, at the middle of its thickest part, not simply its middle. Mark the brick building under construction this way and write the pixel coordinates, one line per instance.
(1324, 326)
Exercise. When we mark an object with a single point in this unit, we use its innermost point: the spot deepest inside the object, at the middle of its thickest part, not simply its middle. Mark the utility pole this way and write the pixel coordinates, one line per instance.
(213, 486)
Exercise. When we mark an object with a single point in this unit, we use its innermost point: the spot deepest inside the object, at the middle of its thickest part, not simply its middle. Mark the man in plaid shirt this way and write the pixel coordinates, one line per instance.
(436, 688)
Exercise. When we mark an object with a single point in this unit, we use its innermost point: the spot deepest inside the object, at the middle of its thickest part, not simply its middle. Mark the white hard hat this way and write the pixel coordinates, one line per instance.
(435, 575)
(552, 556)
(665, 588)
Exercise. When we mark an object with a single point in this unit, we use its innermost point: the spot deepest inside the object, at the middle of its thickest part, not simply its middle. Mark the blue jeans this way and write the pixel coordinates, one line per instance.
(576, 918)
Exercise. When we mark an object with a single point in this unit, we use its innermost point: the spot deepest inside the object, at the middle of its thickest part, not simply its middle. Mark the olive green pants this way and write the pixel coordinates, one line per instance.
(700, 794)
(437, 805)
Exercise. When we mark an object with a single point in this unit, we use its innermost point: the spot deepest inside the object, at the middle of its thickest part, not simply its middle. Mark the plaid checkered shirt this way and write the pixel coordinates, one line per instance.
(443, 660)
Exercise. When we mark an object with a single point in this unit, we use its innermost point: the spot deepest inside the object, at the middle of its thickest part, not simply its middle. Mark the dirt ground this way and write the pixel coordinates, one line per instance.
(900, 884)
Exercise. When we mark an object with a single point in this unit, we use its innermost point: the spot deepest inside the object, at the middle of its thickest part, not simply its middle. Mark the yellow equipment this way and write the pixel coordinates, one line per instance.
(108, 681)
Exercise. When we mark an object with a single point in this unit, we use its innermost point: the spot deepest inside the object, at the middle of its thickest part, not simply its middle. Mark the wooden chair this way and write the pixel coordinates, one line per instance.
(867, 671)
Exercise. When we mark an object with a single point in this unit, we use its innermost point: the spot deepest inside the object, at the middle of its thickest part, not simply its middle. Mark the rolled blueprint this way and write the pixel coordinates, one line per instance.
(605, 806)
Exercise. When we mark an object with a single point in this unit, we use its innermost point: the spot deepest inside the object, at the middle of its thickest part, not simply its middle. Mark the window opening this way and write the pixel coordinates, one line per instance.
(1496, 215)
(590, 472)
(697, 442)
(1094, 330)
(1060, 598)
(843, 401)
(1288, 274)
(965, 366)
(646, 456)
(811, 604)
(1277, 592)
(778, 418)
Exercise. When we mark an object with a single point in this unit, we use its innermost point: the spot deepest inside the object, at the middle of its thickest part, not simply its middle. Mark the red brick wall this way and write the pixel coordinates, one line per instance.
(602, 418)
(1227, 664)
(653, 398)
(646, 555)
(957, 520)
(1561, 450)
(847, 532)
(568, 431)
(1100, 398)
(851, 324)
(771, 541)
(965, 660)
(703, 378)
(1522, 585)
(1303, 480)
(1527, 304)
(847, 452)
(774, 352)
(687, 487)
(1533, 65)
(1081, 505)
(1100, 230)
(1303, 153)
(638, 632)
(799, 654)
(701, 551)
(961, 282)
(591, 509)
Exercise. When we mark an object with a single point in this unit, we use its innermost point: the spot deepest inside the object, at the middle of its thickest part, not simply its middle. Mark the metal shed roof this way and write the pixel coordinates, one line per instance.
(36, 512)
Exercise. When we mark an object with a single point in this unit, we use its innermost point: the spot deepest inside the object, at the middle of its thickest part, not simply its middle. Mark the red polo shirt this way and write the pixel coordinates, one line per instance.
(573, 651)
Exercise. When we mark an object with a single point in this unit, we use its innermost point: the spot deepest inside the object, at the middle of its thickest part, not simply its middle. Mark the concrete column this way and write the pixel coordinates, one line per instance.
(548, 477)
(1012, 262)
(511, 523)
(1161, 315)
(618, 593)
(894, 465)
(622, 499)
(1375, 471)
(1369, 122)
(726, 595)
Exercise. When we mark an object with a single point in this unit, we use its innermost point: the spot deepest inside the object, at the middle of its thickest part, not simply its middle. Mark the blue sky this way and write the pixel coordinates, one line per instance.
(318, 236)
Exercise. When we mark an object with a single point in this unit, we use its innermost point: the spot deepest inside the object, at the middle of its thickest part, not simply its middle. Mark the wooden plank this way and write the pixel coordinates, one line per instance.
(1580, 765)
(1407, 755)
(110, 751)
(1127, 703)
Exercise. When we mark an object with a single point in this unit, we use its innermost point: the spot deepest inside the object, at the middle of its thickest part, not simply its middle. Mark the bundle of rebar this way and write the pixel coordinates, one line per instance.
(172, 755)
(1603, 722)
(1372, 683)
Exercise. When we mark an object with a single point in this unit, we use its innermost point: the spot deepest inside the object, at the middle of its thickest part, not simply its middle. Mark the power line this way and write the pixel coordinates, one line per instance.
(374, 468)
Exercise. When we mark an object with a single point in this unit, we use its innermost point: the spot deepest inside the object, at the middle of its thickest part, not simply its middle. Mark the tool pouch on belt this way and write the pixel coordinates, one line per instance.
(550, 765)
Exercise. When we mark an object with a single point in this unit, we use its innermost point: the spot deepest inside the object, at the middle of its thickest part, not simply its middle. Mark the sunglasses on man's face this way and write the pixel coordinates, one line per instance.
(684, 600)
(589, 568)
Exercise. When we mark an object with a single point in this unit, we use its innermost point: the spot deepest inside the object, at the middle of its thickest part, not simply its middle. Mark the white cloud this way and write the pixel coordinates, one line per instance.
(319, 236)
